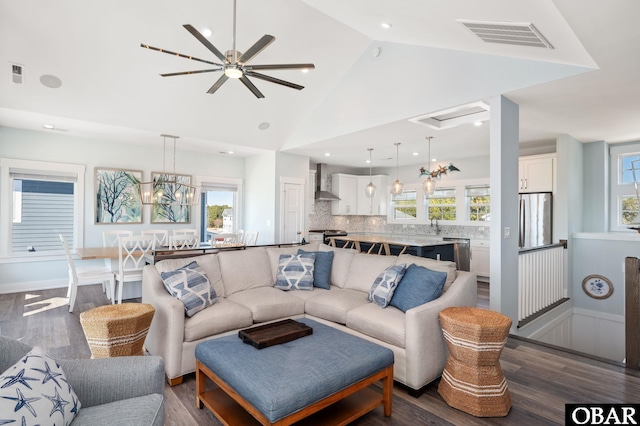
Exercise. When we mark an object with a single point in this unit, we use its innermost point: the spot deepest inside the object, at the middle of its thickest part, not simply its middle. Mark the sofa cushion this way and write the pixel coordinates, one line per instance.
(385, 284)
(387, 324)
(208, 262)
(434, 265)
(341, 263)
(364, 270)
(223, 316)
(245, 269)
(306, 295)
(268, 303)
(295, 271)
(35, 390)
(418, 286)
(190, 285)
(334, 304)
(142, 410)
(322, 268)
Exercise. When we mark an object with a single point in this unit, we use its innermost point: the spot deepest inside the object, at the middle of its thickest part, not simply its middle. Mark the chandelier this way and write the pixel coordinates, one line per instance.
(398, 187)
(429, 184)
(370, 190)
(169, 188)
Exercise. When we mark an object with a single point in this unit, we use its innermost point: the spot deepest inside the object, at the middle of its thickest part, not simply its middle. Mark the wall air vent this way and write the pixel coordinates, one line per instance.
(452, 117)
(518, 33)
(16, 73)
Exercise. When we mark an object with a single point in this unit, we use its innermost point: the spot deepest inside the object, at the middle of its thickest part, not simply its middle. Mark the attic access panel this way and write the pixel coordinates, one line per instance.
(452, 117)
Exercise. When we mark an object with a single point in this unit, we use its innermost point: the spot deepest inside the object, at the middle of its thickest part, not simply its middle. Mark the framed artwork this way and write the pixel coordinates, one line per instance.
(171, 188)
(597, 286)
(117, 196)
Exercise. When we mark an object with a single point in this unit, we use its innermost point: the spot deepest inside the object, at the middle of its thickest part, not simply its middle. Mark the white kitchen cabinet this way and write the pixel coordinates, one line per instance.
(480, 260)
(376, 206)
(536, 173)
(346, 188)
(311, 193)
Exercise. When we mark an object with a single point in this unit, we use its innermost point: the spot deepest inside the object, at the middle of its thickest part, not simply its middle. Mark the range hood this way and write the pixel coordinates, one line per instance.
(321, 193)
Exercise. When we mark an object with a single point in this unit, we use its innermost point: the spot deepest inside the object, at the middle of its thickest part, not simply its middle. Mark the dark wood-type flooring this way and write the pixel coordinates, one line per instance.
(541, 379)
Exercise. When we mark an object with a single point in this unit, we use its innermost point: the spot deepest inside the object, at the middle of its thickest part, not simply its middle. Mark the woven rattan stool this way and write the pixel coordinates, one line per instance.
(117, 330)
(472, 380)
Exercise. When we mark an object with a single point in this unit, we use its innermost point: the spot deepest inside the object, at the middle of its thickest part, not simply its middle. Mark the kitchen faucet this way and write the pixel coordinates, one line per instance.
(437, 227)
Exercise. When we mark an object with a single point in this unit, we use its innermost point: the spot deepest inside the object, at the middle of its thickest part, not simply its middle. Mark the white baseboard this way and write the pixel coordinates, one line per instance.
(32, 286)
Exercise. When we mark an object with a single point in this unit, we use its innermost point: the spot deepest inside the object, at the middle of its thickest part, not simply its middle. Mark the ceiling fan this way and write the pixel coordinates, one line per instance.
(234, 63)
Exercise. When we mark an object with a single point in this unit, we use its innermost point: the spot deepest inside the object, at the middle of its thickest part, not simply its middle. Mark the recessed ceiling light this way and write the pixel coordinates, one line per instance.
(416, 153)
(50, 81)
(264, 125)
(477, 123)
(327, 154)
(385, 25)
(49, 126)
(227, 152)
(433, 160)
(206, 32)
(304, 70)
(367, 161)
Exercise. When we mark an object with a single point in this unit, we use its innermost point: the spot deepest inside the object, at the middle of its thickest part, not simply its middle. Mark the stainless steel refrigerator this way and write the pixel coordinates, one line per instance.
(535, 220)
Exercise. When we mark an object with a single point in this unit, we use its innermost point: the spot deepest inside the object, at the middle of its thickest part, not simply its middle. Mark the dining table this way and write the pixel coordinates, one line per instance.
(88, 253)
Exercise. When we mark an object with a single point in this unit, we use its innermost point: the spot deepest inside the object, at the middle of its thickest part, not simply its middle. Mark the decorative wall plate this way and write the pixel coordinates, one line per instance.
(597, 286)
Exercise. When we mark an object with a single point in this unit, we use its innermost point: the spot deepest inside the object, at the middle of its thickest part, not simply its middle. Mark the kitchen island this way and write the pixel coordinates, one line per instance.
(432, 247)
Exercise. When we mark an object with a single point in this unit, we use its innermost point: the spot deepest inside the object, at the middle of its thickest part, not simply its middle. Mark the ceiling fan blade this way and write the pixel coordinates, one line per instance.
(257, 47)
(274, 80)
(157, 49)
(251, 87)
(202, 39)
(279, 67)
(218, 83)
(171, 74)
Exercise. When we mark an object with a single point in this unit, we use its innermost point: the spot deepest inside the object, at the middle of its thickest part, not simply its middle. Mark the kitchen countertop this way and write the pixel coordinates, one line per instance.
(388, 240)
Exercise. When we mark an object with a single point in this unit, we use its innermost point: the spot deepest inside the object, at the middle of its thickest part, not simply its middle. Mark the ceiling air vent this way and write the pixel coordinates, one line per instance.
(519, 33)
(452, 117)
(16, 73)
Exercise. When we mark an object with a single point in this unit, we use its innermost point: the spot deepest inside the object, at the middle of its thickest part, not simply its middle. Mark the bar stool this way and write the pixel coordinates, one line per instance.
(472, 380)
(117, 330)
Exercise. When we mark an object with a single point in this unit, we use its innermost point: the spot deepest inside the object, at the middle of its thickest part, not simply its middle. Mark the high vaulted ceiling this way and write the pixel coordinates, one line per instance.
(367, 83)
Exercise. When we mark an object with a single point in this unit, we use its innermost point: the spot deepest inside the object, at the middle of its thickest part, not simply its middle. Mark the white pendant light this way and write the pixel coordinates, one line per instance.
(370, 190)
(429, 184)
(398, 187)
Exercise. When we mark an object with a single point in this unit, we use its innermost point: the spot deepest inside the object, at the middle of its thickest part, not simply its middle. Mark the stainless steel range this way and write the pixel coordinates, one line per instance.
(324, 234)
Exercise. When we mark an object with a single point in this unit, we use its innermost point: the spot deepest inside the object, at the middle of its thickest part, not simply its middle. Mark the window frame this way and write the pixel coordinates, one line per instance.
(469, 204)
(7, 165)
(619, 190)
(212, 181)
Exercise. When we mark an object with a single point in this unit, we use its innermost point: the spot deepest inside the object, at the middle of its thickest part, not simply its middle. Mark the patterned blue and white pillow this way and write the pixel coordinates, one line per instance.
(191, 286)
(295, 272)
(35, 390)
(385, 284)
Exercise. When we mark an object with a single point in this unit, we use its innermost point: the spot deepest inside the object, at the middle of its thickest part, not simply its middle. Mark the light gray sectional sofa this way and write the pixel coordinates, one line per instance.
(244, 281)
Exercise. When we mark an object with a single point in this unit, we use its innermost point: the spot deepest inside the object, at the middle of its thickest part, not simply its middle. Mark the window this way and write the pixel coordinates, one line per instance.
(42, 200)
(219, 207)
(404, 206)
(441, 205)
(478, 203)
(625, 172)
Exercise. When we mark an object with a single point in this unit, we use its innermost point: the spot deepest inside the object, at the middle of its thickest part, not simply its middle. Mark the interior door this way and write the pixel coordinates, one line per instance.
(293, 212)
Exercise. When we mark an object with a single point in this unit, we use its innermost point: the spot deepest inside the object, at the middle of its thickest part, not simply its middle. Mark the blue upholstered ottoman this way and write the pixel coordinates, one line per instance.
(284, 383)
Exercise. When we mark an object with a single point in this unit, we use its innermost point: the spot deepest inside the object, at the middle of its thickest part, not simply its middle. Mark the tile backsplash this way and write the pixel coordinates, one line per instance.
(323, 219)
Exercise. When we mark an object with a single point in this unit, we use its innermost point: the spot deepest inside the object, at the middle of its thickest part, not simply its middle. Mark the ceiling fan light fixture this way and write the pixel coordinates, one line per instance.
(233, 71)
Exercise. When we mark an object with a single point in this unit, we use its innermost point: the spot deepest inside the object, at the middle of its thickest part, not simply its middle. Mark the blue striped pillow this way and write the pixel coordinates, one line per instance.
(295, 272)
(191, 286)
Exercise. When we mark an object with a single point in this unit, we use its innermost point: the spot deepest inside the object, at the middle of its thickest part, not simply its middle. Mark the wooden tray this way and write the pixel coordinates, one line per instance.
(274, 333)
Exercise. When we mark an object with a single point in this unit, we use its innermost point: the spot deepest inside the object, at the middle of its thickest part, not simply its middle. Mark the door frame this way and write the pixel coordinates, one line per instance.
(303, 211)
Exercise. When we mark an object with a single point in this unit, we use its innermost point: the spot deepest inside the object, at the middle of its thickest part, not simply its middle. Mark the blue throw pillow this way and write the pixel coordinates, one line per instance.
(418, 286)
(295, 271)
(322, 268)
(385, 284)
(191, 286)
(35, 390)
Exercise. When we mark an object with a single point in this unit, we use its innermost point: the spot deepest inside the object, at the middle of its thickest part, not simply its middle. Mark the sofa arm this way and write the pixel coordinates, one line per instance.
(425, 344)
(104, 380)
(11, 351)
(166, 334)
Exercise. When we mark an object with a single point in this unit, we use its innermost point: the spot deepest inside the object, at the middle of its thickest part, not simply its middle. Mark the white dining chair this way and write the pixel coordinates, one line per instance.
(131, 259)
(83, 275)
(225, 238)
(185, 231)
(110, 239)
(251, 238)
(161, 236)
(178, 242)
(240, 236)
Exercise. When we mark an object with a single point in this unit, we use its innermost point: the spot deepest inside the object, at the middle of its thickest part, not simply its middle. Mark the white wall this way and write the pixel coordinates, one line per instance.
(260, 196)
(58, 147)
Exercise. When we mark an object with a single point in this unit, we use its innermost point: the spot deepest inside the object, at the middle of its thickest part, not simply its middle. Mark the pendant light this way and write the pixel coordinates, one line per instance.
(168, 189)
(429, 184)
(398, 187)
(370, 190)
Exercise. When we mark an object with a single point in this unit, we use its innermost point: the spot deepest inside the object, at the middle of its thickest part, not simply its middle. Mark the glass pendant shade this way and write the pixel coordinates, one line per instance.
(429, 186)
(370, 190)
(398, 187)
